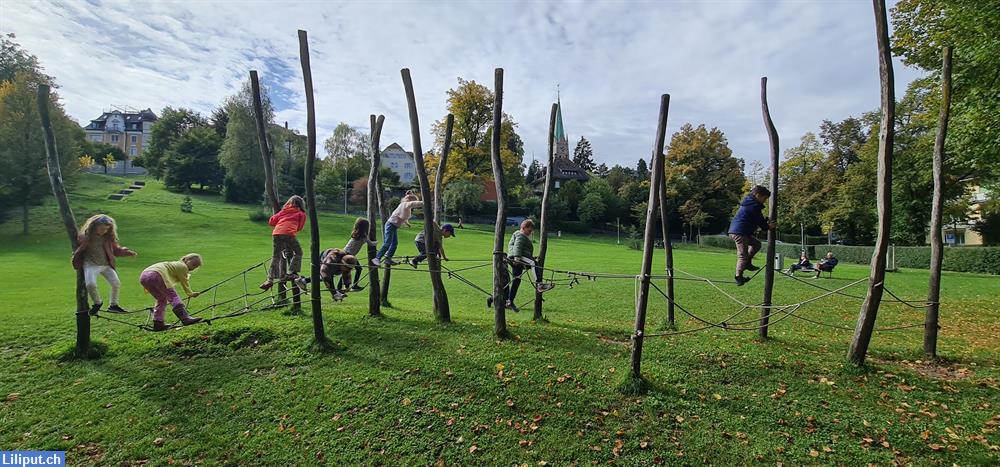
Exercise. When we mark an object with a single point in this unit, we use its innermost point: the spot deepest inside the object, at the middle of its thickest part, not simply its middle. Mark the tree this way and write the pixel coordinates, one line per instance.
(347, 143)
(534, 171)
(16, 61)
(641, 170)
(843, 140)
(609, 199)
(806, 178)
(462, 197)
(104, 154)
(23, 176)
(164, 132)
(618, 176)
(472, 105)
(571, 194)
(583, 155)
(592, 209)
(194, 158)
(219, 120)
(702, 176)
(602, 170)
(920, 29)
(240, 154)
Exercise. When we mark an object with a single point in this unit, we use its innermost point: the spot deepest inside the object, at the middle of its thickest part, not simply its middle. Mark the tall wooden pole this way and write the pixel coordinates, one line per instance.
(876, 279)
(499, 264)
(317, 307)
(543, 229)
(656, 178)
(374, 291)
(772, 208)
(668, 248)
(442, 164)
(937, 247)
(383, 215)
(442, 312)
(69, 222)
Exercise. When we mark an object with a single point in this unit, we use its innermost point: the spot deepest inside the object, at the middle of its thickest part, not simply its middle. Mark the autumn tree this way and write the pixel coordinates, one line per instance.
(807, 178)
(702, 176)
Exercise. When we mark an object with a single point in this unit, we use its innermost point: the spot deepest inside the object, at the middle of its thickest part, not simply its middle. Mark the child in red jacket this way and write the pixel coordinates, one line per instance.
(287, 222)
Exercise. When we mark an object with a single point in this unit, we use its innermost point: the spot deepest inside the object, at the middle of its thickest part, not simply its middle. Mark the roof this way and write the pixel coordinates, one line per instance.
(396, 147)
(564, 169)
(133, 120)
(560, 130)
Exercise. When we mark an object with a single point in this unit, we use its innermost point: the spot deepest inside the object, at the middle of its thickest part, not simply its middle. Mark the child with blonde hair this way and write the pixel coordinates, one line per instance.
(95, 255)
(159, 281)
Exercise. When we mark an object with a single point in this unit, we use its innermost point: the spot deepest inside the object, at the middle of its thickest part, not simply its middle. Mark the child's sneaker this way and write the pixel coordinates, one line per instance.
(376, 262)
(339, 297)
(356, 288)
(512, 307)
(543, 287)
(302, 283)
(116, 308)
(751, 267)
(413, 263)
(95, 308)
(266, 285)
(740, 280)
(489, 302)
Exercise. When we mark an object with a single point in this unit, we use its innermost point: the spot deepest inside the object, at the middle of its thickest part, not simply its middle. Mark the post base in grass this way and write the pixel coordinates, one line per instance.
(540, 321)
(634, 386)
(326, 346)
(292, 311)
(668, 327)
(386, 304)
(504, 336)
(96, 351)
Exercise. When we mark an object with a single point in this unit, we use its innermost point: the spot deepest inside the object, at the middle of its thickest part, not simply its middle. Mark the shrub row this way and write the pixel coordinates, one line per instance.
(959, 259)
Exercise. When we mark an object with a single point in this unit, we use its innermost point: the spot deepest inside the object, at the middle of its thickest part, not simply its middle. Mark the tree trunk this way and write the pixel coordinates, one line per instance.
(543, 229)
(374, 292)
(384, 216)
(69, 222)
(442, 164)
(442, 312)
(24, 218)
(668, 249)
(772, 208)
(656, 178)
(499, 262)
(937, 247)
(876, 286)
(317, 306)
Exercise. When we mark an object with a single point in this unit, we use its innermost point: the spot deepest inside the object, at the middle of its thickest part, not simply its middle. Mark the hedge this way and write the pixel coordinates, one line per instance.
(960, 259)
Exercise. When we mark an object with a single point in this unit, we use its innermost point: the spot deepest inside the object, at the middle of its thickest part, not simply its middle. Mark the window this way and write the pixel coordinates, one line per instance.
(408, 165)
(557, 184)
(394, 165)
(134, 138)
(132, 151)
(114, 138)
(97, 138)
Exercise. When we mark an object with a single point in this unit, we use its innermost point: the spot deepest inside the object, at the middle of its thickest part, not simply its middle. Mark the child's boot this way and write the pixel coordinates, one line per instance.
(266, 284)
(95, 308)
(183, 315)
(159, 326)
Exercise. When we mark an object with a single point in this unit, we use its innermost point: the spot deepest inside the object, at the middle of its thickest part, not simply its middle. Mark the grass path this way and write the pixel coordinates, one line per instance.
(407, 390)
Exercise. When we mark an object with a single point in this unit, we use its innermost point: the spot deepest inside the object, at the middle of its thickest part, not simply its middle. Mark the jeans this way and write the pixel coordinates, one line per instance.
(390, 240)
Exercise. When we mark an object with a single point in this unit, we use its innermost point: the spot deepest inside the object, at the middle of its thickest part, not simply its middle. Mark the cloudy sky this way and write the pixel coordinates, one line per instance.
(611, 60)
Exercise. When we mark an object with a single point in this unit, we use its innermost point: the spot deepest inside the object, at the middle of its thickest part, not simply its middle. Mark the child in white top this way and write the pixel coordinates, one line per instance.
(399, 217)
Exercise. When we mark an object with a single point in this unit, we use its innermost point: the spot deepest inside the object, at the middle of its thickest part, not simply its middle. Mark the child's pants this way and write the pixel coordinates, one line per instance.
(389, 242)
(520, 262)
(746, 247)
(357, 278)
(90, 273)
(153, 283)
(286, 248)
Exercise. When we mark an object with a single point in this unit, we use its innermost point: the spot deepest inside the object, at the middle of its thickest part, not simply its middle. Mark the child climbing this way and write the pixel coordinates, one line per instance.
(336, 262)
(437, 244)
(359, 238)
(95, 254)
(520, 251)
(287, 251)
(400, 216)
(161, 278)
(743, 228)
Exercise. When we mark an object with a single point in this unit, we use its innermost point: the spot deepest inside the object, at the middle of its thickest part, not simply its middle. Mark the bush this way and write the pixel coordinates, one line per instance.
(259, 215)
(187, 205)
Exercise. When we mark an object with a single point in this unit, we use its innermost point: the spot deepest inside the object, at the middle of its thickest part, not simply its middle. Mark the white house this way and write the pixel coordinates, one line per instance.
(399, 161)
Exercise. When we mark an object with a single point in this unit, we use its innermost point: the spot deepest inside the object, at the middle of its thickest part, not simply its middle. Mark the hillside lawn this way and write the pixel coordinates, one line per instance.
(405, 389)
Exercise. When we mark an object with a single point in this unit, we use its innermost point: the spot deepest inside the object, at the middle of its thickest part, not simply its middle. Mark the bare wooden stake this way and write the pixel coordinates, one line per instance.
(310, 181)
(442, 311)
(772, 208)
(668, 248)
(937, 246)
(442, 164)
(656, 178)
(876, 279)
(543, 229)
(499, 257)
(374, 291)
(66, 214)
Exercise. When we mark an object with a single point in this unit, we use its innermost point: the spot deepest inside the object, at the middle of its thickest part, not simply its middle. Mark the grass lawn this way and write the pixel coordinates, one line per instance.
(404, 389)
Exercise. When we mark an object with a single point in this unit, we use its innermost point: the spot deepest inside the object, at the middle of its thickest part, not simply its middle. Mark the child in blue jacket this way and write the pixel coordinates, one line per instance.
(743, 228)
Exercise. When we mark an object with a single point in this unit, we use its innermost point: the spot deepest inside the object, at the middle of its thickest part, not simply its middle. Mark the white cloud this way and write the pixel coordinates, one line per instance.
(612, 61)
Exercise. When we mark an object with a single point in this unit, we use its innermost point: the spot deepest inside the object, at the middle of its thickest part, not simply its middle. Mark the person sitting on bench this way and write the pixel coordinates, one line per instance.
(803, 264)
(826, 264)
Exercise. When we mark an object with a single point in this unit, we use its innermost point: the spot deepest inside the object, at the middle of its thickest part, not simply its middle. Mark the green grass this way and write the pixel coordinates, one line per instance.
(404, 389)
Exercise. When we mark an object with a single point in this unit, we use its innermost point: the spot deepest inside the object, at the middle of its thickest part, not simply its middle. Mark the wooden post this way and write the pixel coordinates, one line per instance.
(499, 229)
(442, 311)
(374, 292)
(937, 247)
(772, 208)
(668, 248)
(384, 216)
(876, 279)
(317, 306)
(543, 229)
(656, 178)
(69, 222)
(439, 176)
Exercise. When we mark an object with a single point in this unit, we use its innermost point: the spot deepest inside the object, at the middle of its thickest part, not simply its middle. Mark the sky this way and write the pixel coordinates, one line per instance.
(611, 60)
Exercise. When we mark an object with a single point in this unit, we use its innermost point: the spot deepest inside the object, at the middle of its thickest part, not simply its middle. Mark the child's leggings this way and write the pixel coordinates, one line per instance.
(90, 273)
(286, 248)
(357, 278)
(153, 283)
(389, 242)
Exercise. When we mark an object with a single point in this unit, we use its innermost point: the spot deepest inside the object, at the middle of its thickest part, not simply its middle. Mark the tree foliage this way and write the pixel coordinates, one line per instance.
(164, 132)
(583, 155)
(462, 197)
(702, 173)
(240, 154)
(194, 158)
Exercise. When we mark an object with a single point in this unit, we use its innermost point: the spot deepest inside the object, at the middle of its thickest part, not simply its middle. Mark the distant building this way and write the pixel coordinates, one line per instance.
(958, 231)
(563, 168)
(127, 129)
(400, 161)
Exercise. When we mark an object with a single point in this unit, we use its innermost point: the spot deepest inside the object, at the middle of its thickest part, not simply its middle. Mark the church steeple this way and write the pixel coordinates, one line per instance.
(562, 143)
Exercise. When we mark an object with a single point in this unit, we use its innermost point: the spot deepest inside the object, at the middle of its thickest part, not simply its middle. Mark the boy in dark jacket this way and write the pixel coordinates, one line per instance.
(745, 223)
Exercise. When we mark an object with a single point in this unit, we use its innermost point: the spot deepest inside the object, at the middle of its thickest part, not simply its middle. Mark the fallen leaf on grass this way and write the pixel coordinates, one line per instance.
(13, 396)
(407, 401)
(473, 449)
(813, 453)
(158, 442)
(644, 445)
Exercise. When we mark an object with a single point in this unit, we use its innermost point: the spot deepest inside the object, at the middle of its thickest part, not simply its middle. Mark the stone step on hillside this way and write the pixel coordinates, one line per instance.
(135, 187)
(139, 182)
(125, 192)
(116, 197)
